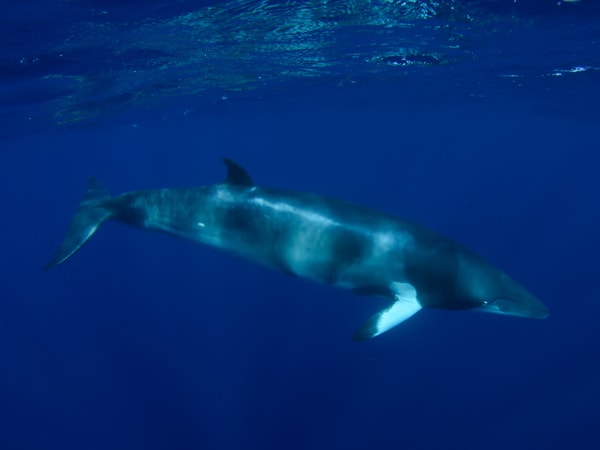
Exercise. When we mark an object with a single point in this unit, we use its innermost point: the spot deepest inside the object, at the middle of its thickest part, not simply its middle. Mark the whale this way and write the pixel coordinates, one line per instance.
(306, 235)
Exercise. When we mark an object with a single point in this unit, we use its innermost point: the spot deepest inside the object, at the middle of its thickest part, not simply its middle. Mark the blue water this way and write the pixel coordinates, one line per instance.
(478, 119)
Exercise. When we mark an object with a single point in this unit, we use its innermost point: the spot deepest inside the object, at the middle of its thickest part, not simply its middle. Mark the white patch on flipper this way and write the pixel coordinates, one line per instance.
(405, 306)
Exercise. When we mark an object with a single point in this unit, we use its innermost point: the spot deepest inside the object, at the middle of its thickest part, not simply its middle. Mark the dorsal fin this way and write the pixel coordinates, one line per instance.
(236, 174)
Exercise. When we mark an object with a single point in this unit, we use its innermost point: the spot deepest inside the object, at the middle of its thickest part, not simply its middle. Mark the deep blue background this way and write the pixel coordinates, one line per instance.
(145, 341)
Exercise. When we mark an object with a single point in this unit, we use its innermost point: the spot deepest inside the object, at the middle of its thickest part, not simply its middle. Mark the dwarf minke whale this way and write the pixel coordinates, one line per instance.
(330, 241)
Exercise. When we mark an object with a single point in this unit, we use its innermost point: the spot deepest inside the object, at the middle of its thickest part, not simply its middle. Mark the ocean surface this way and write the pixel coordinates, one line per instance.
(478, 119)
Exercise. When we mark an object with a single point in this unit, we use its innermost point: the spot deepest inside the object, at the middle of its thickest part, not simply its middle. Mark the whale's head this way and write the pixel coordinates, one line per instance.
(491, 290)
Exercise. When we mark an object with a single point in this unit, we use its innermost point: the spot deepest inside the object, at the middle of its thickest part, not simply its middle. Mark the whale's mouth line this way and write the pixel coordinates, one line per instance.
(528, 308)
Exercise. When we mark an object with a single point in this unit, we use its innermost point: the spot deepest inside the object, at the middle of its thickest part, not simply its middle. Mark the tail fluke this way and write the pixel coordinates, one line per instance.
(92, 212)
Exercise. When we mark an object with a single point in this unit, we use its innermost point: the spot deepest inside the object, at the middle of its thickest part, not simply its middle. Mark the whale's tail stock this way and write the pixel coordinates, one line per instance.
(93, 210)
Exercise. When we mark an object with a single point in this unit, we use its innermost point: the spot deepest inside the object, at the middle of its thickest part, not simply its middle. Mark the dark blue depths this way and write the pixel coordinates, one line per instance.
(145, 341)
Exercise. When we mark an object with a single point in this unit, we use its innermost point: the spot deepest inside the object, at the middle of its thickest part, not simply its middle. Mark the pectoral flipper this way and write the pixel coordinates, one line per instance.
(405, 305)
